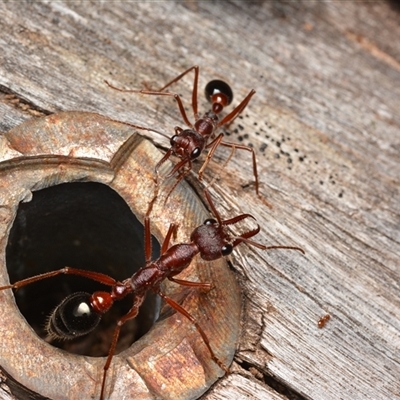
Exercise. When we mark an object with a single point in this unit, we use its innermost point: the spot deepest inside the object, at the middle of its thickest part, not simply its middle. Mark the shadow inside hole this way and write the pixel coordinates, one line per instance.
(80, 225)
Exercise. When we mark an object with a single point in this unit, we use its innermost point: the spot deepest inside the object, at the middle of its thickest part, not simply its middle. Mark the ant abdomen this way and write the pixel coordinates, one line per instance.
(218, 93)
(73, 317)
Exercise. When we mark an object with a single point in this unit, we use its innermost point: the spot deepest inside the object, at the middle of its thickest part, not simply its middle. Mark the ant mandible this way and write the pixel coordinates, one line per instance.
(188, 144)
(211, 240)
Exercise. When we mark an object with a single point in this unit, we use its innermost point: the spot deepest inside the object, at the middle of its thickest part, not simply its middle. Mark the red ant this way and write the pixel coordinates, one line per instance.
(323, 320)
(211, 240)
(188, 144)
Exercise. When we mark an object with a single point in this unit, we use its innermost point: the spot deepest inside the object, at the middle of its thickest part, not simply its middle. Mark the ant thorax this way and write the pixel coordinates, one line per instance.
(207, 125)
(176, 259)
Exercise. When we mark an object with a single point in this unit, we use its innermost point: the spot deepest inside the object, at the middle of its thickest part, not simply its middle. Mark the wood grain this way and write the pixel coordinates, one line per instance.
(325, 125)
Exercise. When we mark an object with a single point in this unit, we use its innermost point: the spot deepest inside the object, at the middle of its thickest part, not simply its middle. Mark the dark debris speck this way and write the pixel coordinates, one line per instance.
(263, 147)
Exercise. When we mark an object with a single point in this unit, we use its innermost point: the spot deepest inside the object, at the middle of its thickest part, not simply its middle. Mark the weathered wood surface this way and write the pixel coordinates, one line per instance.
(325, 124)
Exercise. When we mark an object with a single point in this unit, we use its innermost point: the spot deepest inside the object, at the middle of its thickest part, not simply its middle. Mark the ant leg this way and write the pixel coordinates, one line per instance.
(222, 167)
(147, 239)
(132, 313)
(95, 276)
(180, 177)
(195, 86)
(166, 156)
(213, 145)
(171, 231)
(278, 247)
(200, 285)
(217, 142)
(180, 76)
(153, 200)
(193, 320)
(245, 239)
(248, 148)
(157, 93)
(179, 166)
(143, 128)
(237, 110)
(212, 206)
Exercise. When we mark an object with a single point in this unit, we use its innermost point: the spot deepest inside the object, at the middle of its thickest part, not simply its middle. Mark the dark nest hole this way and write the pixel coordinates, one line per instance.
(81, 225)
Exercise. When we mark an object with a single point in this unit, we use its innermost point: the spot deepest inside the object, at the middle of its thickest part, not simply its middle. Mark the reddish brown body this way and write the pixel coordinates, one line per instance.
(323, 320)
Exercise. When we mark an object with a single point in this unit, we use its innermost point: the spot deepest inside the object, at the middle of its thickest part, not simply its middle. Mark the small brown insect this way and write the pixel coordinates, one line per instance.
(323, 320)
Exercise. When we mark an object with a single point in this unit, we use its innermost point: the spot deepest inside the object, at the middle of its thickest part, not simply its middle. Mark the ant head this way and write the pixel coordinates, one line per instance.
(219, 94)
(213, 239)
(187, 144)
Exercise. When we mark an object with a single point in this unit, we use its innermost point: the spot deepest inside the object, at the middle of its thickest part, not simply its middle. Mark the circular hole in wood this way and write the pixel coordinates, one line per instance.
(80, 225)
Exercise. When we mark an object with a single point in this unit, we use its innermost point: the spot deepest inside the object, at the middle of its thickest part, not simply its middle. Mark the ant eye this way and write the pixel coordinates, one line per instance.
(226, 250)
(210, 221)
(218, 86)
(195, 153)
(173, 139)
